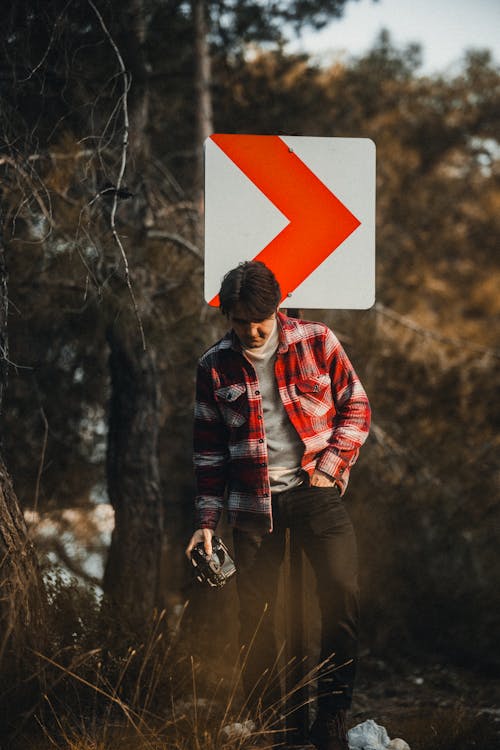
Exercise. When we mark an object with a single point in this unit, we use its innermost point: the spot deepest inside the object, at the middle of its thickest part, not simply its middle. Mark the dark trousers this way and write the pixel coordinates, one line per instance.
(318, 518)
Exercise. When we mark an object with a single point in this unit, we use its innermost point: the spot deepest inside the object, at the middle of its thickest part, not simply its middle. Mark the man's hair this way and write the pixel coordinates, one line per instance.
(252, 285)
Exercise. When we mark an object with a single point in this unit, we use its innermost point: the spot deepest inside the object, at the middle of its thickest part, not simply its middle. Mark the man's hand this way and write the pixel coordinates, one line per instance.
(319, 479)
(201, 535)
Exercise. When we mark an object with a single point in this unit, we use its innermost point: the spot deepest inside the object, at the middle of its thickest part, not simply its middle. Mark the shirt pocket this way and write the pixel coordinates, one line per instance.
(315, 395)
(232, 404)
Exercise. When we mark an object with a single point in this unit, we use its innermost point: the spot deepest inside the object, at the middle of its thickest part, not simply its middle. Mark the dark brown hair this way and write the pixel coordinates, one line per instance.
(253, 285)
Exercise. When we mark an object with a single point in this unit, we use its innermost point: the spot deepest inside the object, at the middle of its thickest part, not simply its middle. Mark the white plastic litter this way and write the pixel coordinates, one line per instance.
(238, 730)
(368, 736)
(371, 736)
(398, 744)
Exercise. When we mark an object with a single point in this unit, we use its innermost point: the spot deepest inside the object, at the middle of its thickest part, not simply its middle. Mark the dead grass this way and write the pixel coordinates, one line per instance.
(151, 693)
(453, 728)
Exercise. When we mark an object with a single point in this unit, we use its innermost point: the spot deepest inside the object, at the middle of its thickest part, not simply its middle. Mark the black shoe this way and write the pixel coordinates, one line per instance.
(330, 732)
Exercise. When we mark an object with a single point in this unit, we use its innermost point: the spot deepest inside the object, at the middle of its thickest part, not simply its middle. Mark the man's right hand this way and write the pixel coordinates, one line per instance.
(201, 535)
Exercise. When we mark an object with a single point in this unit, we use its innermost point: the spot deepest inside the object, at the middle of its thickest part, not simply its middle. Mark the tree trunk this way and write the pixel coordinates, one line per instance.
(4, 309)
(132, 575)
(204, 117)
(133, 42)
(137, 63)
(22, 597)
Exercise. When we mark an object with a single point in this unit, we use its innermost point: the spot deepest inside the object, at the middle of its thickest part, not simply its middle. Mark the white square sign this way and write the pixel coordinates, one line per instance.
(305, 206)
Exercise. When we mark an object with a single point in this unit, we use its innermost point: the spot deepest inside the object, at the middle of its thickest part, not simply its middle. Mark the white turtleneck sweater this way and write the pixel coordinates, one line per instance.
(284, 447)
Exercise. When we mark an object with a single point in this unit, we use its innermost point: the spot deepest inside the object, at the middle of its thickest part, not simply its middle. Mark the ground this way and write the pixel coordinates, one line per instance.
(432, 707)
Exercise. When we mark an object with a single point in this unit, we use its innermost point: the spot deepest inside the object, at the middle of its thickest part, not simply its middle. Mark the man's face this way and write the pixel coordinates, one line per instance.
(251, 333)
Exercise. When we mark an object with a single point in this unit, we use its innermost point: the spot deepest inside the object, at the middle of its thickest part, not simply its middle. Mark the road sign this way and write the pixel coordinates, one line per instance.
(303, 205)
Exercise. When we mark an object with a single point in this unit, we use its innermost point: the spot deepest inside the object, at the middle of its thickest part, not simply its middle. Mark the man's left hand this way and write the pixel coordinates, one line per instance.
(320, 479)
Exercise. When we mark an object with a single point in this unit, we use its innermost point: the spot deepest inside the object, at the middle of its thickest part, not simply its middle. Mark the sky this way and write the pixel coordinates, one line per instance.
(444, 28)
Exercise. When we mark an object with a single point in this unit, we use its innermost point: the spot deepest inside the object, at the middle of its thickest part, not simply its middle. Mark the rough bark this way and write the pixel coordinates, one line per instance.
(132, 575)
(136, 59)
(4, 308)
(22, 600)
(204, 116)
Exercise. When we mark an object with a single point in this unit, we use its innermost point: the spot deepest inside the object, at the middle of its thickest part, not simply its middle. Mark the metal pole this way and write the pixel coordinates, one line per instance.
(296, 707)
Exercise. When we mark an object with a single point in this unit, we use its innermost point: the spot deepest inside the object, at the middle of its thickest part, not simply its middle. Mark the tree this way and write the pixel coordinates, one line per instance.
(22, 598)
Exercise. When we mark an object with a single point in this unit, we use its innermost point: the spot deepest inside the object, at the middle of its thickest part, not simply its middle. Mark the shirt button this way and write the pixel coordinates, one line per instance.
(259, 416)
(263, 465)
(261, 440)
(257, 393)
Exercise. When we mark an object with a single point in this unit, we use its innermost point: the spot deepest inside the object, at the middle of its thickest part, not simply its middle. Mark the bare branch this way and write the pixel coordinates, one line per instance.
(123, 163)
(4, 356)
(52, 156)
(27, 178)
(42, 457)
(417, 328)
(49, 46)
(158, 234)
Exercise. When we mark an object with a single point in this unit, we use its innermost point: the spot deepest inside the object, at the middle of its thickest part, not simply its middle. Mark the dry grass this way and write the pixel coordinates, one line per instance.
(454, 728)
(153, 694)
(145, 693)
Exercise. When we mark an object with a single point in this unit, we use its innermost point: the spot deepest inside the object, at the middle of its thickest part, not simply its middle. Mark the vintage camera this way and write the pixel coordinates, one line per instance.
(214, 570)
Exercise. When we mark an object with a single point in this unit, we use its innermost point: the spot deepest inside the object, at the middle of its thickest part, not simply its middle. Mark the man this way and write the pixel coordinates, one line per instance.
(280, 416)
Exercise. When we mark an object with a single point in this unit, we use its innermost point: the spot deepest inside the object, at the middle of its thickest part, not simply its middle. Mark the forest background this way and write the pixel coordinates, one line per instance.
(104, 109)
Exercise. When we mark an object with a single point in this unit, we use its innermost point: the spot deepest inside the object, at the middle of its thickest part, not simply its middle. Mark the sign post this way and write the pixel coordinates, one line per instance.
(305, 206)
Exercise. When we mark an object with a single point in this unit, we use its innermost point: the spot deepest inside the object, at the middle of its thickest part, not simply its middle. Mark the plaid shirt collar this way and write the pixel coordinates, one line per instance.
(285, 326)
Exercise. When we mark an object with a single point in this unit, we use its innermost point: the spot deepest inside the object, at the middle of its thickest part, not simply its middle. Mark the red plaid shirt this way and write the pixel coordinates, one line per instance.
(322, 396)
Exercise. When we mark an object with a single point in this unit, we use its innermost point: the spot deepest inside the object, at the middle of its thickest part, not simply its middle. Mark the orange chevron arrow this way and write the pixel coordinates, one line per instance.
(319, 221)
